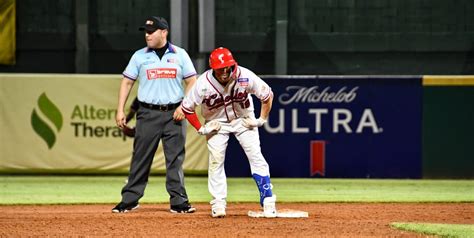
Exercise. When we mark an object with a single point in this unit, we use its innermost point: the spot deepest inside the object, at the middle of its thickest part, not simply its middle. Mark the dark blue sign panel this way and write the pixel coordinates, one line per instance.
(339, 127)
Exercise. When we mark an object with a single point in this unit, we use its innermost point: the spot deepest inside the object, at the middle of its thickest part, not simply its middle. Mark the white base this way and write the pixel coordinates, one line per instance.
(284, 213)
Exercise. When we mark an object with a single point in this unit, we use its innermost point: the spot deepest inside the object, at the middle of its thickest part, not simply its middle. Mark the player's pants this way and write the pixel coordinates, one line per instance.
(153, 125)
(217, 145)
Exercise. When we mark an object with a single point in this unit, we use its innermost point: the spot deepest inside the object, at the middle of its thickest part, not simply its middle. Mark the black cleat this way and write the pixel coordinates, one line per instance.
(182, 208)
(125, 207)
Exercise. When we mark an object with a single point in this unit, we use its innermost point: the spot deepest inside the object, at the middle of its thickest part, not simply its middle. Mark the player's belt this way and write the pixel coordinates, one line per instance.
(164, 108)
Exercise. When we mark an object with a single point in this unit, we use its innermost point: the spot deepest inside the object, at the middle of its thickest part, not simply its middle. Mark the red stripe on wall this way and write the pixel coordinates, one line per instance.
(318, 157)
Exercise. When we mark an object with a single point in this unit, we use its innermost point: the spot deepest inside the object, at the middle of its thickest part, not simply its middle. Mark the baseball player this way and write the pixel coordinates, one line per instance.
(224, 93)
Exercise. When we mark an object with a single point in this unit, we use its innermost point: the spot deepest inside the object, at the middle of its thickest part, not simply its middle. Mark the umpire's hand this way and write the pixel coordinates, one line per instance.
(120, 119)
(178, 114)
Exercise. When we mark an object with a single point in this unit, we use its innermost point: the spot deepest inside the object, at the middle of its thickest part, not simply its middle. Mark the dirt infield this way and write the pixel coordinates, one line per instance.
(154, 220)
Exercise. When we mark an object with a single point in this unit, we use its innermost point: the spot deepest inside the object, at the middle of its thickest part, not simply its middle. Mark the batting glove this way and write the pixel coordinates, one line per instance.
(211, 127)
(252, 122)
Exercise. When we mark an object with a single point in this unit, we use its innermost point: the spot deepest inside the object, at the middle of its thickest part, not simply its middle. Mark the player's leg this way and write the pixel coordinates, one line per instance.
(250, 142)
(148, 132)
(217, 181)
(249, 139)
(174, 139)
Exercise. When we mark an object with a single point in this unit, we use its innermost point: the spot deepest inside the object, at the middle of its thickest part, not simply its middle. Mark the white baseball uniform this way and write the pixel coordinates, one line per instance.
(229, 106)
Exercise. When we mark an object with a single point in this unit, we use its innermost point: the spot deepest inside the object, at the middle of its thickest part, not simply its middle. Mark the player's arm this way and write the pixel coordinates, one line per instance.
(190, 100)
(211, 127)
(188, 105)
(260, 89)
(125, 88)
(178, 114)
(193, 120)
(250, 122)
(266, 107)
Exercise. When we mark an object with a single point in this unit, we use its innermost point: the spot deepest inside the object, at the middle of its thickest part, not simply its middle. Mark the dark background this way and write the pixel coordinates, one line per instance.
(335, 37)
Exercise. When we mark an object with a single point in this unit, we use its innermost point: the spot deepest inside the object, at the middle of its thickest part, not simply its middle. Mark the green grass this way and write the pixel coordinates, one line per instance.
(443, 230)
(106, 189)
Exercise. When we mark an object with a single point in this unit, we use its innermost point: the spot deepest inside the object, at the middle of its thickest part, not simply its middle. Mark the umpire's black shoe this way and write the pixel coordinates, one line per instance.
(182, 208)
(125, 207)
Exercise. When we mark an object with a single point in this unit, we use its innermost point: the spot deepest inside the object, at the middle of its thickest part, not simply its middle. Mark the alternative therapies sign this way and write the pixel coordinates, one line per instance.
(66, 123)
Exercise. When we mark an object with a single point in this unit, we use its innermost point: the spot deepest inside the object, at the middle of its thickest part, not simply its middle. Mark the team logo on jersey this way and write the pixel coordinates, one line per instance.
(243, 81)
(160, 73)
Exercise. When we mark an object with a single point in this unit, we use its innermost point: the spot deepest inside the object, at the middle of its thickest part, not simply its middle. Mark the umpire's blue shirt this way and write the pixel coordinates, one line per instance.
(160, 80)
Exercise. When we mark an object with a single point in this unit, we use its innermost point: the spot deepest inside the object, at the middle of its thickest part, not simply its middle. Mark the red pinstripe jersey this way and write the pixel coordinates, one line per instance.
(226, 104)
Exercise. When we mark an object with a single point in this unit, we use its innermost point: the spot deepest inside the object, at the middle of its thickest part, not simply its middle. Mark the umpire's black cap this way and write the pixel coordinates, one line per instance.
(154, 23)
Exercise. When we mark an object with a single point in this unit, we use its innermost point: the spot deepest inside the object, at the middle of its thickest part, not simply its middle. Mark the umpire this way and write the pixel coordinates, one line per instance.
(159, 68)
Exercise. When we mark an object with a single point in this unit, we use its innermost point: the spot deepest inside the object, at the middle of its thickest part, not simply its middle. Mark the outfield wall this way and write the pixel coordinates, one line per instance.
(448, 127)
(320, 126)
(341, 127)
(65, 123)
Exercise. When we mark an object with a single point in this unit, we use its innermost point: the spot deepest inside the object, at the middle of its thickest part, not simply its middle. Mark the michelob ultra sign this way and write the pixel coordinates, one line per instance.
(340, 127)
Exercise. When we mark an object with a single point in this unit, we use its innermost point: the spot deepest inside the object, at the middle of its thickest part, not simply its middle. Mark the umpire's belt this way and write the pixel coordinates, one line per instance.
(164, 108)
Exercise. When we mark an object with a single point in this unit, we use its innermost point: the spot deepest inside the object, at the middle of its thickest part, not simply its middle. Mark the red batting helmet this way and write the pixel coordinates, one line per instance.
(220, 58)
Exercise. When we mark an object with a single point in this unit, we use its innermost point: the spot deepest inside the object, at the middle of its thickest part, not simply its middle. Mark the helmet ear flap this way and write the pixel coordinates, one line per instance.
(233, 74)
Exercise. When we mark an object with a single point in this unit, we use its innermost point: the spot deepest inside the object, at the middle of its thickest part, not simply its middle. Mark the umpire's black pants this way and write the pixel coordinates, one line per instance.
(153, 125)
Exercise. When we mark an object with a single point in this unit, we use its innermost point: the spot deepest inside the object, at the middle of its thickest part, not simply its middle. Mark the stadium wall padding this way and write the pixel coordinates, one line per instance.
(448, 127)
(340, 127)
(65, 123)
(409, 127)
